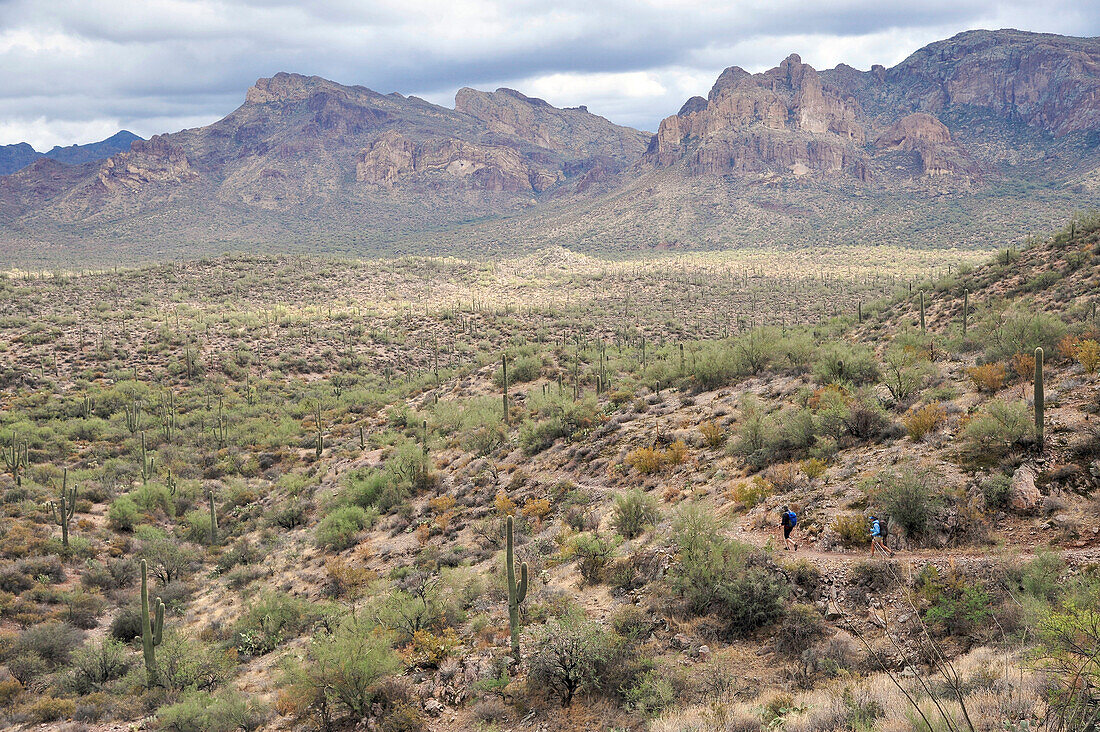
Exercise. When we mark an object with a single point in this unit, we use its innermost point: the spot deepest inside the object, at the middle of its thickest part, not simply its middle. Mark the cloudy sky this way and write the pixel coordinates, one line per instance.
(74, 71)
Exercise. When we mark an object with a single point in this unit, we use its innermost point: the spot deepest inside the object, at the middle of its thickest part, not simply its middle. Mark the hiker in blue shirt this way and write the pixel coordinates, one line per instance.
(879, 532)
(788, 522)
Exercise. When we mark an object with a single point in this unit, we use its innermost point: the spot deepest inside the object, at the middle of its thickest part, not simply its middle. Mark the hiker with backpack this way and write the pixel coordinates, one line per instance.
(788, 522)
(879, 531)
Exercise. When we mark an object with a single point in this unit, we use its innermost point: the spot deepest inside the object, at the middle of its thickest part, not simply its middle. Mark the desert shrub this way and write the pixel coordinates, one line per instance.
(955, 604)
(717, 575)
(274, 618)
(786, 477)
(908, 495)
(49, 709)
(814, 468)
(651, 695)
(539, 436)
(997, 490)
(987, 377)
(82, 609)
(184, 664)
(846, 363)
(1020, 328)
(803, 575)
(1041, 576)
(225, 711)
(340, 671)
(904, 371)
(752, 492)
(289, 515)
(713, 435)
(53, 642)
(594, 553)
(1069, 644)
(520, 370)
(996, 429)
(569, 655)
(95, 665)
(852, 529)
(123, 514)
(922, 421)
(337, 531)
(415, 604)
(633, 512)
(375, 489)
(1088, 355)
(112, 575)
(645, 460)
(802, 625)
(126, 625)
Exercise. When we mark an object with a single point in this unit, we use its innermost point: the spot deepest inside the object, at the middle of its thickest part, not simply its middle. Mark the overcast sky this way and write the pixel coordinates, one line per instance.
(75, 71)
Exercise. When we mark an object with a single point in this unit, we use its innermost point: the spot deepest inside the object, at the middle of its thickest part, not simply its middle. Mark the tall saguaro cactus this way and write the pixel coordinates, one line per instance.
(319, 448)
(64, 509)
(516, 592)
(922, 311)
(1040, 397)
(152, 630)
(146, 462)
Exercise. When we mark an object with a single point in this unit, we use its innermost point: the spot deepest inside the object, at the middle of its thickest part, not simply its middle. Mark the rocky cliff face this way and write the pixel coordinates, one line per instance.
(796, 121)
(783, 120)
(155, 161)
(572, 130)
(1048, 82)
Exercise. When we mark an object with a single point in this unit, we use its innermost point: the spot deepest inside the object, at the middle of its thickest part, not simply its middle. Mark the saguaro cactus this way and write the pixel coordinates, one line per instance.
(922, 311)
(146, 462)
(516, 592)
(1040, 398)
(15, 457)
(64, 509)
(152, 630)
(320, 447)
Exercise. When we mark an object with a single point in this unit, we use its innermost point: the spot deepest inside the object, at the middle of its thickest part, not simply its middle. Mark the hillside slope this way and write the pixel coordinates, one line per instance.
(346, 425)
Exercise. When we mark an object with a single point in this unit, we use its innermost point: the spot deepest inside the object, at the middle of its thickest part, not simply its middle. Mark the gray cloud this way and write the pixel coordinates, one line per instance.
(157, 65)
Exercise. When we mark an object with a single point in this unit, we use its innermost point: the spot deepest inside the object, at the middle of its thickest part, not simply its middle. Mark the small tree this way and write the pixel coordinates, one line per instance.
(566, 656)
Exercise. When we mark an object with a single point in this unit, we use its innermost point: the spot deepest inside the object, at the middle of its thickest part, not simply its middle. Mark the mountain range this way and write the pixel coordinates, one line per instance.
(968, 140)
(20, 155)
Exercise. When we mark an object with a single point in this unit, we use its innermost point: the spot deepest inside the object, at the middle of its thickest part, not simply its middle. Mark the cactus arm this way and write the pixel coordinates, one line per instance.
(1040, 397)
(521, 588)
(158, 629)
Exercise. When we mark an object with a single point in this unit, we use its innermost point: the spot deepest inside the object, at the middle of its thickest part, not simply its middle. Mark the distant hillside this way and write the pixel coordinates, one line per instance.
(16, 157)
(985, 135)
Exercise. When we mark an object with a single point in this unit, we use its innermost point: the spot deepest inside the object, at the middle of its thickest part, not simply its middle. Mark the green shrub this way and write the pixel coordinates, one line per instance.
(633, 512)
(94, 666)
(226, 711)
(53, 642)
(995, 430)
(568, 656)
(956, 604)
(184, 664)
(846, 363)
(595, 553)
(997, 490)
(852, 529)
(716, 575)
(1020, 328)
(337, 530)
(276, 617)
(908, 495)
(1042, 575)
(341, 669)
(123, 514)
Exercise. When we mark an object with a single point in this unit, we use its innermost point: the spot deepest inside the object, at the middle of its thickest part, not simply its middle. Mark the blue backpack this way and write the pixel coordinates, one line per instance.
(792, 517)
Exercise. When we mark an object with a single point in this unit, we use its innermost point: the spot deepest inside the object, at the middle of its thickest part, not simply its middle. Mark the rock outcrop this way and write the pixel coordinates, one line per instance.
(782, 120)
(393, 159)
(924, 135)
(149, 161)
